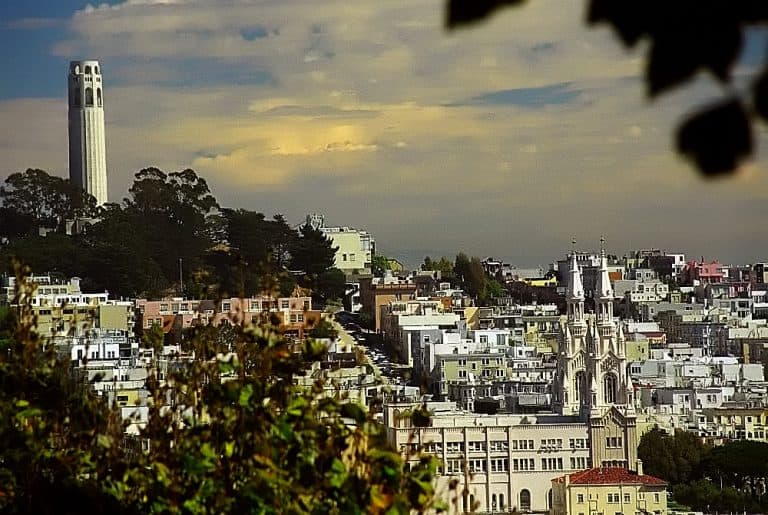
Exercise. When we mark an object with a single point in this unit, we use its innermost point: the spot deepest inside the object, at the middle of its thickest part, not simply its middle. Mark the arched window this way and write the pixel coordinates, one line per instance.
(549, 499)
(77, 69)
(493, 502)
(87, 70)
(96, 69)
(472, 506)
(88, 96)
(501, 501)
(525, 500)
(609, 388)
(581, 387)
(98, 97)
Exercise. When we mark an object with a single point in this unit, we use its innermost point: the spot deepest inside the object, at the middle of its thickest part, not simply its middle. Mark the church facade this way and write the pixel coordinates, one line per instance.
(592, 381)
(505, 462)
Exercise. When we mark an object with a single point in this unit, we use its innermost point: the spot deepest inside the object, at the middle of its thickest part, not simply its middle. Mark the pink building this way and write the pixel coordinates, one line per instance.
(699, 272)
(174, 314)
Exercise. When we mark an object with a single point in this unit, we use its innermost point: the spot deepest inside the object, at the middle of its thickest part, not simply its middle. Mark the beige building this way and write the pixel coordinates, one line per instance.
(608, 491)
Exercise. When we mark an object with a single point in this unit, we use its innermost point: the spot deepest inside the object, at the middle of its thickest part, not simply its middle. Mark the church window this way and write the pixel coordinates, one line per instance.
(609, 388)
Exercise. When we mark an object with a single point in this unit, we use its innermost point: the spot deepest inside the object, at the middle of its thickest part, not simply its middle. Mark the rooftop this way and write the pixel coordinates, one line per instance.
(611, 476)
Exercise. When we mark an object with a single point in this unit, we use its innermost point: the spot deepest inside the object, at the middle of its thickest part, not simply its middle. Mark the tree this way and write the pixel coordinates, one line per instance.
(685, 37)
(34, 199)
(673, 458)
(331, 285)
(312, 254)
(241, 438)
(173, 213)
(379, 265)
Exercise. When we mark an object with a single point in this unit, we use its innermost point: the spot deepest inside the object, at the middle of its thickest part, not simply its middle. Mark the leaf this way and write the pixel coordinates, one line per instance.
(337, 474)
(710, 39)
(718, 138)
(245, 395)
(465, 12)
(353, 411)
(628, 17)
(760, 94)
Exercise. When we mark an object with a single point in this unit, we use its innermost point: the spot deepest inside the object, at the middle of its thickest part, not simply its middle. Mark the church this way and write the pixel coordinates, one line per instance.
(592, 381)
(506, 462)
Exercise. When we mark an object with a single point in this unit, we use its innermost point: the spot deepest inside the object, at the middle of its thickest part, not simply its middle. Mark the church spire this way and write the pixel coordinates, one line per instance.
(603, 290)
(575, 292)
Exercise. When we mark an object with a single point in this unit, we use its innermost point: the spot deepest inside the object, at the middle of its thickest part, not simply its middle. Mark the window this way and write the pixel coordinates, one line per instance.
(656, 498)
(89, 96)
(225, 306)
(343, 257)
(609, 388)
(476, 465)
(498, 445)
(580, 498)
(87, 69)
(626, 498)
(455, 446)
(352, 257)
(525, 500)
(483, 338)
(98, 97)
(476, 446)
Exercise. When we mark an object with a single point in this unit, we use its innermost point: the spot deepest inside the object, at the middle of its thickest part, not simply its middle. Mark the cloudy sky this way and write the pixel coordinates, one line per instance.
(508, 139)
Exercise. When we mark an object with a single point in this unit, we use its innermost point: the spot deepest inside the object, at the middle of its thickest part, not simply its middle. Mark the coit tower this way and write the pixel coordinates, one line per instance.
(87, 152)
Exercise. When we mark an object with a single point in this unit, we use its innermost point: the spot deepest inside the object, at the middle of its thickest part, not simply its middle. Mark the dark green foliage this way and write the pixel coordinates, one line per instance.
(323, 329)
(33, 199)
(685, 37)
(169, 231)
(241, 438)
(726, 477)
(379, 264)
(312, 256)
(674, 458)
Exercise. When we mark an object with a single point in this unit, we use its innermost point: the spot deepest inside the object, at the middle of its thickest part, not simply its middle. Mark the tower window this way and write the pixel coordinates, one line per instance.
(77, 69)
(89, 96)
(98, 97)
(96, 69)
(87, 70)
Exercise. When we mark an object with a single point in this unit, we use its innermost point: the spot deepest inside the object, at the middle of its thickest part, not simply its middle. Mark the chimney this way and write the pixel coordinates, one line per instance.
(639, 467)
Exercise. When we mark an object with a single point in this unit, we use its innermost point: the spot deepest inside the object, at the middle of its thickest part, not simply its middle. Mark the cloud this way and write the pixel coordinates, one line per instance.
(504, 139)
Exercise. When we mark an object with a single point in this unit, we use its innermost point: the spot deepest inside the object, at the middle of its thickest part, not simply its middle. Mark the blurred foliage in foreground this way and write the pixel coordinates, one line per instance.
(231, 434)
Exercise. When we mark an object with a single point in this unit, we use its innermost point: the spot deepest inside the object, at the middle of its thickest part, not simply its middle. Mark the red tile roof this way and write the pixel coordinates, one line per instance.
(611, 476)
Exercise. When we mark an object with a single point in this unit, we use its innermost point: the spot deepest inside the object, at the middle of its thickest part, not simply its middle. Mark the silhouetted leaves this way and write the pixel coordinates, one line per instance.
(465, 12)
(685, 36)
(718, 138)
(760, 94)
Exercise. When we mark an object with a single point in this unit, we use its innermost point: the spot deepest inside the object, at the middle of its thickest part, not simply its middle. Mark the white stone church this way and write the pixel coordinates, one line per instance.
(505, 463)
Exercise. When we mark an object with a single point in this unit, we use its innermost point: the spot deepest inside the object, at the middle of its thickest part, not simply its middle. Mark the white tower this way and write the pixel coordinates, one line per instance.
(87, 148)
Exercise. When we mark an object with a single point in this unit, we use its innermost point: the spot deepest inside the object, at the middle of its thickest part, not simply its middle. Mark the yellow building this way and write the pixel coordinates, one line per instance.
(608, 491)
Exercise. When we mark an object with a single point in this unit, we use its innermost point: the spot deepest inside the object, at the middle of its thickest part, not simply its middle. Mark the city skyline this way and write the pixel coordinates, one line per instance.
(507, 139)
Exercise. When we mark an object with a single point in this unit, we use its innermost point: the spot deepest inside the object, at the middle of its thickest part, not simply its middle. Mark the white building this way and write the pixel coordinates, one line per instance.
(87, 144)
